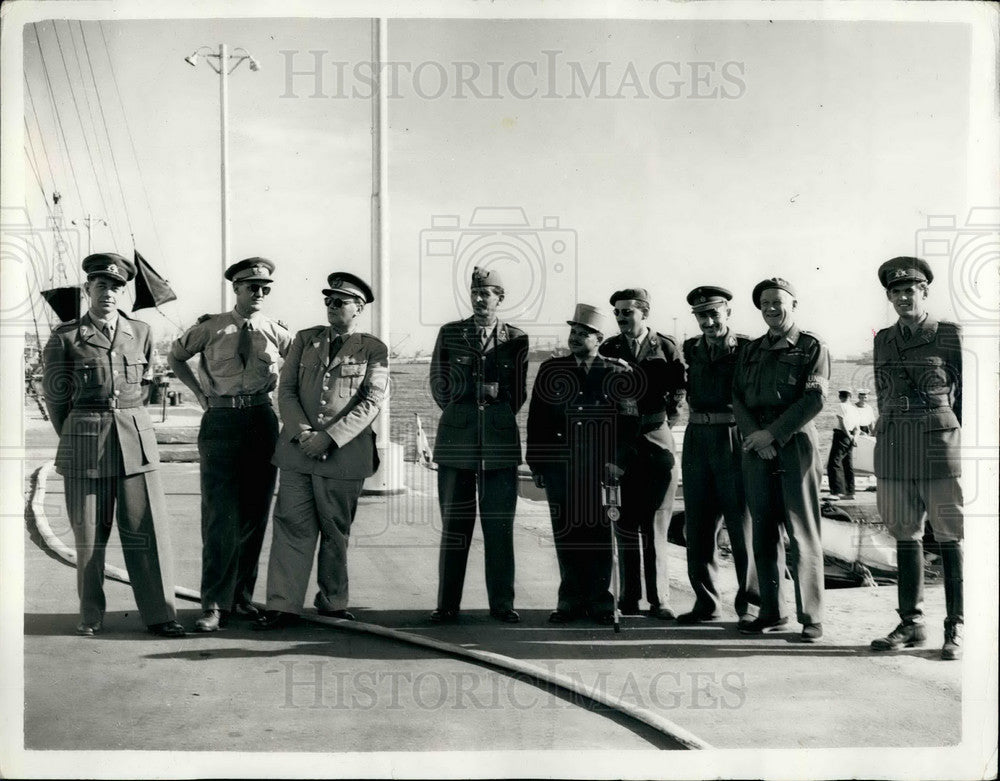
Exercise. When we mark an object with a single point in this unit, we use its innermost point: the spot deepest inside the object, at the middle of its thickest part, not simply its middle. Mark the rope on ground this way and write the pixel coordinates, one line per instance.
(43, 536)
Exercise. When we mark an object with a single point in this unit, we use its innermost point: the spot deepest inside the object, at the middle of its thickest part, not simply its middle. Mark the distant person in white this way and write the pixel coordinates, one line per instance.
(866, 414)
(840, 465)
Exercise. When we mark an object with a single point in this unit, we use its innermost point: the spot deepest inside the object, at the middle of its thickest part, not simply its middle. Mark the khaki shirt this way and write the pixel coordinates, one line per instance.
(216, 340)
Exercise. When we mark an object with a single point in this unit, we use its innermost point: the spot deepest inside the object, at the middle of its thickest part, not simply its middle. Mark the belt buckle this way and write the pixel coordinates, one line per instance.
(906, 400)
(706, 417)
(241, 401)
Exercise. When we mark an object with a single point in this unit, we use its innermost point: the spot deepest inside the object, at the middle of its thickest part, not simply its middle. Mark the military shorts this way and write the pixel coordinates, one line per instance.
(906, 505)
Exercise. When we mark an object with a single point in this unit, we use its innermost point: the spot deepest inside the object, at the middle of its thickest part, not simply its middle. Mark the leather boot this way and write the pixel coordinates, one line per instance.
(952, 558)
(910, 633)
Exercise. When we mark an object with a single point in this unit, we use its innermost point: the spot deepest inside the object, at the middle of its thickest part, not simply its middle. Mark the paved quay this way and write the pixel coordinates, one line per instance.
(314, 688)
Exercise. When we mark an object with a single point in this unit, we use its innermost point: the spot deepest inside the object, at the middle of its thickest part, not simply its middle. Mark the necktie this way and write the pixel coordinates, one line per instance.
(906, 333)
(484, 337)
(245, 347)
(581, 375)
(335, 344)
(106, 330)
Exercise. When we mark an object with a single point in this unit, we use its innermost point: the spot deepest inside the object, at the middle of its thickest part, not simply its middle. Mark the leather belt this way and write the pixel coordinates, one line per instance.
(240, 402)
(104, 405)
(907, 404)
(711, 418)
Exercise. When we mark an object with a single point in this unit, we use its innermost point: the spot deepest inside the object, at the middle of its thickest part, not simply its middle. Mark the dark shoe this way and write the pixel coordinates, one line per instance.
(442, 616)
(606, 618)
(561, 617)
(952, 649)
(662, 613)
(212, 620)
(88, 628)
(274, 619)
(811, 633)
(696, 617)
(629, 609)
(247, 610)
(847, 497)
(507, 615)
(345, 615)
(903, 636)
(744, 621)
(167, 629)
(760, 625)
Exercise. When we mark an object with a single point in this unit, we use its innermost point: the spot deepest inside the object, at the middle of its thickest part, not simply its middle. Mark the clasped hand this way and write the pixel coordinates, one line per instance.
(315, 444)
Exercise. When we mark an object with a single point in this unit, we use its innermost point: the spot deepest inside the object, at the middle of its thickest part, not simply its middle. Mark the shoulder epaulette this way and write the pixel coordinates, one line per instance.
(67, 326)
(743, 337)
(811, 335)
(667, 338)
(203, 318)
(282, 324)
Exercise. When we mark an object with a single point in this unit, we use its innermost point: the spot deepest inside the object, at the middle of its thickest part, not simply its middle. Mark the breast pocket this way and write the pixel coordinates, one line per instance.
(930, 374)
(351, 375)
(135, 368)
(90, 374)
(791, 368)
(223, 360)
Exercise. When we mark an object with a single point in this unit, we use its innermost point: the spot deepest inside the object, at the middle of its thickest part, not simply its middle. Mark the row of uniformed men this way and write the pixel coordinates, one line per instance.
(750, 443)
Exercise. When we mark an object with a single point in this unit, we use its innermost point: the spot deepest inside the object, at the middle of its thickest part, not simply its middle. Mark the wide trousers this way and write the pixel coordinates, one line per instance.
(458, 491)
(784, 491)
(581, 532)
(237, 485)
(713, 492)
(648, 489)
(311, 508)
(143, 526)
(840, 464)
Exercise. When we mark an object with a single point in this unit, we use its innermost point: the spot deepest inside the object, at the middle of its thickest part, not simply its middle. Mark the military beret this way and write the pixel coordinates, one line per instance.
(772, 283)
(843, 392)
(707, 296)
(343, 282)
(630, 294)
(590, 317)
(251, 270)
(485, 277)
(863, 391)
(904, 269)
(108, 264)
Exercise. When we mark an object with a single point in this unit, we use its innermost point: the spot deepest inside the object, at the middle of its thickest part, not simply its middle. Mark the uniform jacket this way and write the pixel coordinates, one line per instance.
(476, 428)
(215, 338)
(710, 375)
(341, 397)
(919, 386)
(658, 383)
(84, 369)
(781, 386)
(579, 425)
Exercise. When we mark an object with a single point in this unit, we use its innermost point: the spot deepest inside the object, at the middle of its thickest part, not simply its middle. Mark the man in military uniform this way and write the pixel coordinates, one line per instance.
(918, 375)
(96, 378)
(240, 352)
(650, 480)
(478, 378)
(332, 387)
(840, 463)
(711, 461)
(576, 441)
(780, 385)
(866, 415)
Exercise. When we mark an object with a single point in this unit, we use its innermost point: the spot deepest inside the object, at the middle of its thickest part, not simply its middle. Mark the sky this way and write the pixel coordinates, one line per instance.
(714, 152)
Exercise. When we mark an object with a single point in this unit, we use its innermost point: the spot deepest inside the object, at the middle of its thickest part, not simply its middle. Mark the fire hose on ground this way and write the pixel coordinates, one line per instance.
(43, 536)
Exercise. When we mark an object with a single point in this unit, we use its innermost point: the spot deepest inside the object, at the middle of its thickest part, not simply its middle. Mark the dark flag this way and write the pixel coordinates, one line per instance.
(151, 289)
(65, 302)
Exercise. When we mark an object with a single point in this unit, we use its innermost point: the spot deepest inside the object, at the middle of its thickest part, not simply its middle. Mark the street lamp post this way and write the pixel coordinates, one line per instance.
(223, 68)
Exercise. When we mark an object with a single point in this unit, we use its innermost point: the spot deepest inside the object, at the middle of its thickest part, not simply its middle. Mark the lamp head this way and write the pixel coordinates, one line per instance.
(254, 65)
(192, 59)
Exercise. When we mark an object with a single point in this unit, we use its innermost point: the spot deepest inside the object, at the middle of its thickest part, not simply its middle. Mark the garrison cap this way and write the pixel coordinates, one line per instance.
(630, 294)
(844, 392)
(767, 284)
(904, 269)
(485, 277)
(590, 317)
(109, 264)
(251, 270)
(707, 296)
(342, 282)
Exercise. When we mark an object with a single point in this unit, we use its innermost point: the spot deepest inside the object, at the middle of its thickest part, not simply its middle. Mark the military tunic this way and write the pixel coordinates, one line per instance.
(235, 445)
(342, 395)
(480, 389)
(713, 477)
(650, 480)
(576, 425)
(780, 385)
(918, 431)
(95, 391)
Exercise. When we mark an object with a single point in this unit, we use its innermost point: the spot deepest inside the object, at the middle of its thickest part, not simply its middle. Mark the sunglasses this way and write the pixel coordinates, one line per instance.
(337, 302)
(254, 287)
(621, 312)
